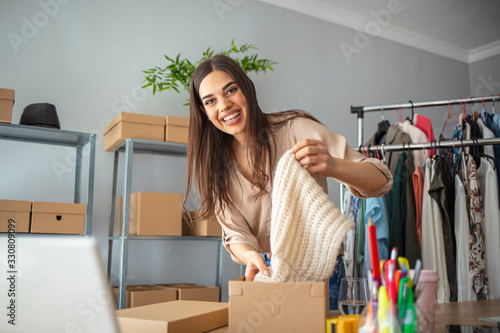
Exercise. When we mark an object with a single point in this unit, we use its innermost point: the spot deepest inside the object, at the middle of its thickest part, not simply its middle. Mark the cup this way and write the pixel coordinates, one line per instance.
(428, 284)
(354, 296)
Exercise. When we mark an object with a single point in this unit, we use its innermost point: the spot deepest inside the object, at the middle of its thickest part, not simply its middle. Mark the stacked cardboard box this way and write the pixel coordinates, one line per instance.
(172, 317)
(153, 214)
(42, 217)
(193, 292)
(146, 127)
(141, 295)
(206, 227)
(7, 97)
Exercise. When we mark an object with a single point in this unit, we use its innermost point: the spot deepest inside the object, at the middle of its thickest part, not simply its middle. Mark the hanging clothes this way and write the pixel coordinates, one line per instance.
(416, 136)
(433, 255)
(398, 215)
(418, 184)
(442, 190)
(412, 246)
(395, 136)
(360, 239)
(350, 211)
(464, 290)
(377, 210)
(486, 133)
(425, 124)
(489, 190)
(477, 265)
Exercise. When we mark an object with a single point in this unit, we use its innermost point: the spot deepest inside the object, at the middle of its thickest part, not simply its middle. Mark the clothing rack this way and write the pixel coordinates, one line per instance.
(430, 145)
(360, 110)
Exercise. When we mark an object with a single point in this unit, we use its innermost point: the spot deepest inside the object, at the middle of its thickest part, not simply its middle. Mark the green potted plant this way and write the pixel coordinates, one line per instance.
(178, 72)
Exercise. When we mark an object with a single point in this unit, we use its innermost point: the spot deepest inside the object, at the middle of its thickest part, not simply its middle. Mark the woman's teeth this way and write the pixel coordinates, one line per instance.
(234, 115)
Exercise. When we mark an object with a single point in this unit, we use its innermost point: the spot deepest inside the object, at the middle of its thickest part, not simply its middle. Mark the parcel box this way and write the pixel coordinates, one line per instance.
(6, 105)
(193, 292)
(277, 307)
(177, 129)
(153, 214)
(15, 216)
(146, 294)
(204, 227)
(134, 126)
(173, 317)
(57, 218)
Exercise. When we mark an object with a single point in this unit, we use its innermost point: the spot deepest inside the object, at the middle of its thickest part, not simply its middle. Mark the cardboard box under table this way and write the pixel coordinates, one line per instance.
(177, 129)
(277, 307)
(6, 105)
(193, 292)
(141, 295)
(173, 317)
(134, 126)
(57, 218)
(153, 214)
(206, 227)
(15, 216)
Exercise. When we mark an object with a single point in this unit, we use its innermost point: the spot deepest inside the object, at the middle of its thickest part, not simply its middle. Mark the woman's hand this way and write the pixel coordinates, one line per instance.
(251, 258)
(314, 156)
(255, 264)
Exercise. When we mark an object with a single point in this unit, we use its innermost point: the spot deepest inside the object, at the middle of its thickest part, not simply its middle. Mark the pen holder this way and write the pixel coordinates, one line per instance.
(369, 321)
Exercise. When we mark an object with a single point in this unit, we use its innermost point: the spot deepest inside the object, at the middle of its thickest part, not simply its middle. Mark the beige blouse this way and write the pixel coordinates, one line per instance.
(249, 219)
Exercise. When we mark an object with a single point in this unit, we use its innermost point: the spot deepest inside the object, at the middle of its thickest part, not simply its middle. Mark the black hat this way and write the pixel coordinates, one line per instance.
(40, 114)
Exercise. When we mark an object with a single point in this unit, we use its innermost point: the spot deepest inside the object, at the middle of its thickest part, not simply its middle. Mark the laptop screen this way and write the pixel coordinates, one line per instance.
(53, 284)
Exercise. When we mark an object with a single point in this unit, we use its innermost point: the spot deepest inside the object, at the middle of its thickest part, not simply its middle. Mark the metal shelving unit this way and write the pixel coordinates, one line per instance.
(57, 137)
(129, 147)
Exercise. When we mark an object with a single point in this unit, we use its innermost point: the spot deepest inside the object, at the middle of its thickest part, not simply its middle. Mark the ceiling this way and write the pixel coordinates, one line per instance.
(463, 30)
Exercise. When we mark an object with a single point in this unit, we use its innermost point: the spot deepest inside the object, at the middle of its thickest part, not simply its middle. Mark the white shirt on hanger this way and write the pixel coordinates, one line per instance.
(491, 225)
(433, 256)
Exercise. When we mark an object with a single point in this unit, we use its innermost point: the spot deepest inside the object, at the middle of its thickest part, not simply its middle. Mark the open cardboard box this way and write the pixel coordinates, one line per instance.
(172, 317)
(277, 307)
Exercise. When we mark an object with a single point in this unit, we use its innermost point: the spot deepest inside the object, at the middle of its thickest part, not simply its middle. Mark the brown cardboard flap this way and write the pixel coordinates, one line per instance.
(318, 289)
(58, 208)
(7, 94)
(15, 206)
(135, 118)
(177, 121)
(235, 287)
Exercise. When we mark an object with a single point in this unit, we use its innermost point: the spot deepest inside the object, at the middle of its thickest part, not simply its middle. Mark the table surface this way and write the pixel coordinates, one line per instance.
(458, 313)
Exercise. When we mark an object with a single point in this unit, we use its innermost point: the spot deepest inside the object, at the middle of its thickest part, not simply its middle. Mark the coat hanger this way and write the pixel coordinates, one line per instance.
(476, 152)
(383, 153)
(412, 114)
(449, 117)
(383, 127)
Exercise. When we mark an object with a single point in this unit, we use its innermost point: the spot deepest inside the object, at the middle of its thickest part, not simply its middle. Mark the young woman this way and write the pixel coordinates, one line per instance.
(234, 148)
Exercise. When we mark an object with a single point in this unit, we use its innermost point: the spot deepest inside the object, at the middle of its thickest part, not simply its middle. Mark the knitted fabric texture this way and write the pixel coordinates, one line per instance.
(306, 227)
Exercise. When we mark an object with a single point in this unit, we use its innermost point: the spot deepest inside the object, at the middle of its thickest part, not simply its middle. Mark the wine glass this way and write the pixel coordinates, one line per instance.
(354, 295)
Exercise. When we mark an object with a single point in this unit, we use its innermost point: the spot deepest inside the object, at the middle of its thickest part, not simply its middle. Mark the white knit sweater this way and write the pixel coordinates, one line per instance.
(306, 227)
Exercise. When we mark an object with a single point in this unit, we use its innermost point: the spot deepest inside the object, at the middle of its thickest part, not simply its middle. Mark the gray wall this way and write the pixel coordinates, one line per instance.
(86, 57)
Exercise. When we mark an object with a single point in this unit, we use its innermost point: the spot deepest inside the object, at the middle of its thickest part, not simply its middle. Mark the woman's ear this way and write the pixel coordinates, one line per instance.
(202, 109)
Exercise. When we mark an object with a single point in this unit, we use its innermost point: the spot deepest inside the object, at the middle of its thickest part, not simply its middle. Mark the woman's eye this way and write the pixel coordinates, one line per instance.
(208, 102)
(231, 90)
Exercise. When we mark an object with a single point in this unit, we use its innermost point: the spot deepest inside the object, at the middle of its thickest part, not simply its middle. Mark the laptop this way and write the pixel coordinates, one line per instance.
(53, 284)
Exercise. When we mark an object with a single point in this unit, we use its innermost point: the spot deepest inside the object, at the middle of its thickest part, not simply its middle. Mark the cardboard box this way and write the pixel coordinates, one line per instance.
(19, 212)
(153, 214)
(57, 218)
(193, 292)
(7, 97)
(173, 317)
(134, 126)
(277, 307)
(177, 129)
(206, 227)
(141, 295)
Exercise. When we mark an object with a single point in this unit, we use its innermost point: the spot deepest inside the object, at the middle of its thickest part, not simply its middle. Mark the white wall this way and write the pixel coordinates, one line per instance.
(86, 58)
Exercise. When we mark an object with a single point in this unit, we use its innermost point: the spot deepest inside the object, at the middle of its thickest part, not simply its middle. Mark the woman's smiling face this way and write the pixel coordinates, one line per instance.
(224, 103)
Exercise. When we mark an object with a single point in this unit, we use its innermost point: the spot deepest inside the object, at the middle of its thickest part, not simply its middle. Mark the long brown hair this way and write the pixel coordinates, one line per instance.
(210, 157)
